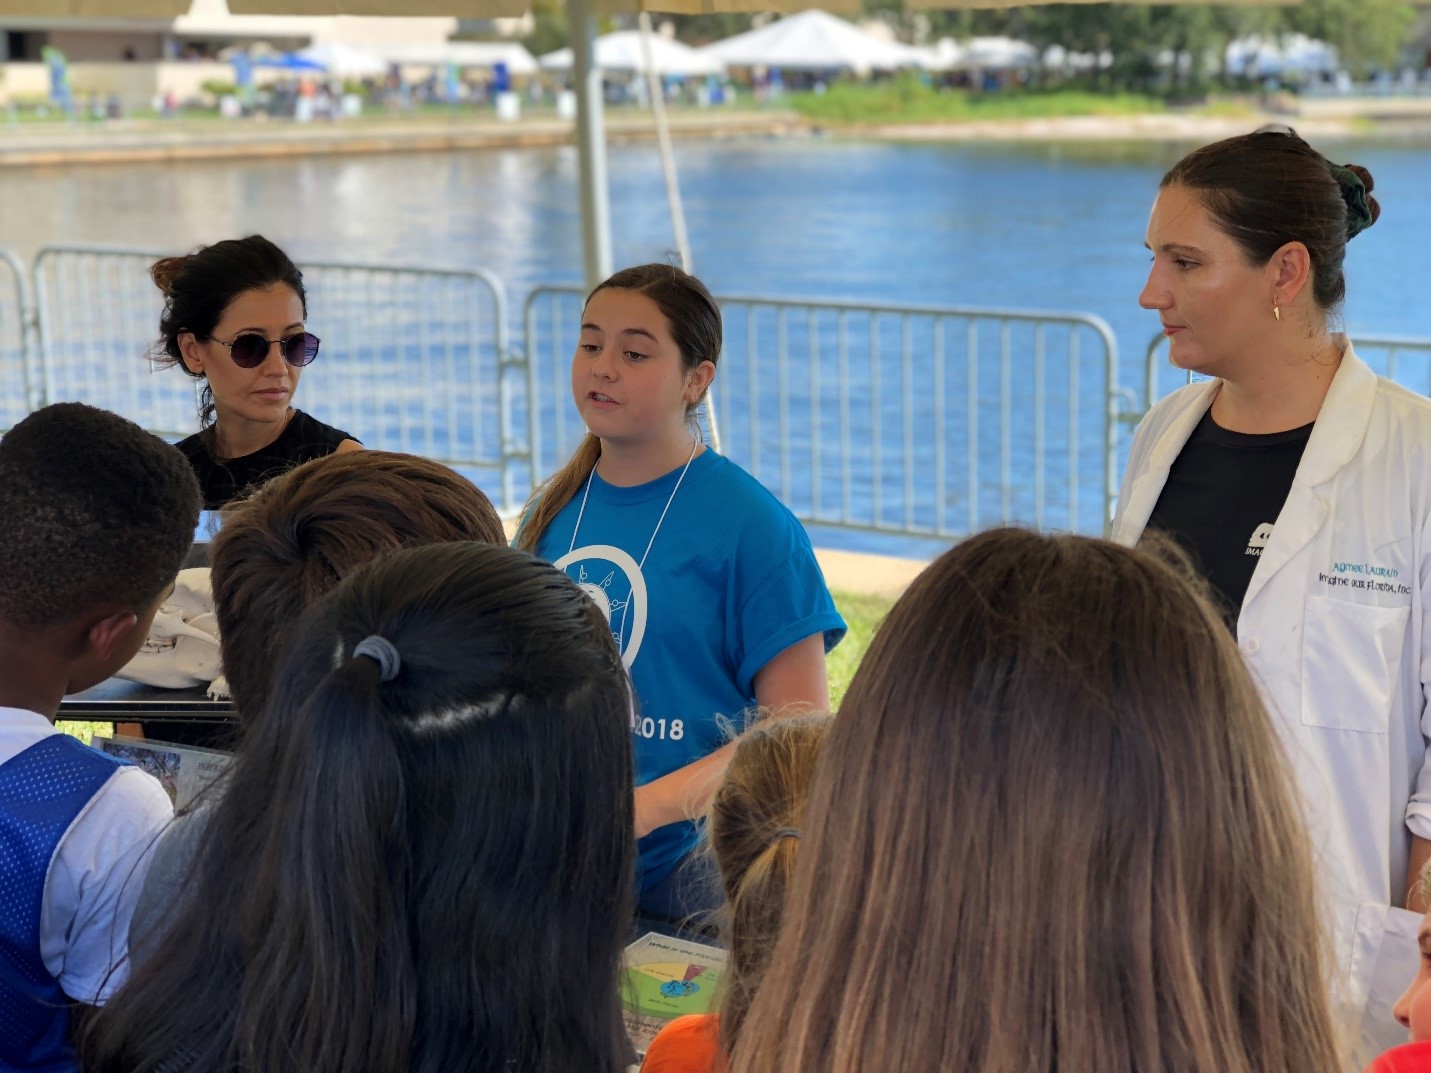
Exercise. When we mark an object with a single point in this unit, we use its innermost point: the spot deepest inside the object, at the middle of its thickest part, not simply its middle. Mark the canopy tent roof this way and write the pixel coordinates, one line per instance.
(487, 9)
(1262, 56)
(952, 5)
(344, 61)
(998, 53)
(479, 9)
(623, 51)
(515, 56)
(813, 41)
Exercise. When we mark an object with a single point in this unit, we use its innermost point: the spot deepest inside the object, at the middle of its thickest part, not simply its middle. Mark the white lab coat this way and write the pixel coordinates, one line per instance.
(1333, 627)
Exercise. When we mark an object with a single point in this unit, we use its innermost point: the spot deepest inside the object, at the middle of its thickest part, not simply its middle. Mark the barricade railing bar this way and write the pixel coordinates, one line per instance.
(18, 387)
(1405, 359)
(897, 420)
(920, 422)
(413, 359)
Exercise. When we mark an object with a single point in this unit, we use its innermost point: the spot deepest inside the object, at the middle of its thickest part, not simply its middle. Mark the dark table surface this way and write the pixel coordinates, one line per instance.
(119, 701)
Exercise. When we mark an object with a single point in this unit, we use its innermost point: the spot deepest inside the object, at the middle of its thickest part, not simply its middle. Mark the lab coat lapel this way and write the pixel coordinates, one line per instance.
(1143, 496)
(1336, 438)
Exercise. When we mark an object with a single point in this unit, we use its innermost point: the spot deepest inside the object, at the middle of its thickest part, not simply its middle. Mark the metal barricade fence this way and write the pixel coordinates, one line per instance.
(97, 313)
(1404, 359)
(413, 359)
(899, 420)
(18, 389)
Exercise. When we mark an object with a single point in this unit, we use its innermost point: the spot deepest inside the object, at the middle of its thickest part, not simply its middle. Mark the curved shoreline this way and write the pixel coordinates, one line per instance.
(166, 141)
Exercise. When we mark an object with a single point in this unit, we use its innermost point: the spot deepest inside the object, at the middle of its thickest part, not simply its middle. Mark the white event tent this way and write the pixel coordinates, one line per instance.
(623, 51)
(998, 54)
(814, 41)
(1258, 57)
(512, 54)
(344, 61)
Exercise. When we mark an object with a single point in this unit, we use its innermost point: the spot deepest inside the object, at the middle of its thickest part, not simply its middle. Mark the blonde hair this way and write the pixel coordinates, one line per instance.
(1052, 832)
(695, 323)
(755, 819)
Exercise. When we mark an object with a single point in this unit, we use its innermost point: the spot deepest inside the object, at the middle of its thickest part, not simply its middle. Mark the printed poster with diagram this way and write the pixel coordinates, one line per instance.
(666, 978)
(185, 771)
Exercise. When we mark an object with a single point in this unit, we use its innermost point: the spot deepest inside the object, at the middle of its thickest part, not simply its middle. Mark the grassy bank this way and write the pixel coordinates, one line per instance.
(863, 614)
(908, 100)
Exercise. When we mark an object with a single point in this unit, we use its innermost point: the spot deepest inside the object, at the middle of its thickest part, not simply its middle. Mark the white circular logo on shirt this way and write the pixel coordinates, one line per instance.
(625, 609)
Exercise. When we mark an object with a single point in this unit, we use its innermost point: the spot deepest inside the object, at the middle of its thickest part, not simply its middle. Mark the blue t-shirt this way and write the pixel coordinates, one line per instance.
(730, 583)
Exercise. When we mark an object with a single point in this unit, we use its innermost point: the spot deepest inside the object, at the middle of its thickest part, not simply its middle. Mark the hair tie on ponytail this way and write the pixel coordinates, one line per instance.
(1354, 193)
(382, 652)
(785, 832)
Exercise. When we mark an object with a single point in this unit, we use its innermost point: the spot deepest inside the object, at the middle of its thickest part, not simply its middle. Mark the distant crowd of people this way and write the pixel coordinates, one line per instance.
(1154, 804)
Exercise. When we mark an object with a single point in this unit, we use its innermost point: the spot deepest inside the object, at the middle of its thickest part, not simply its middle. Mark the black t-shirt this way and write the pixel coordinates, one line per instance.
(303, 439)
(1222, 499)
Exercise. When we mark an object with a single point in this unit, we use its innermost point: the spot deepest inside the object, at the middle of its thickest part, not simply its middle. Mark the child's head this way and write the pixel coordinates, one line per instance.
(754, 830)
(96, 516)
(424, 860)
(650, 341)
(224, 305)
(1052, 829)
(302, 533)
(655, 332)
(1413, 1009)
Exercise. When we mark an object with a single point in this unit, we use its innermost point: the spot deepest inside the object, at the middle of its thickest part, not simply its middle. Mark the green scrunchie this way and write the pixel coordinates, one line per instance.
(1359, 216)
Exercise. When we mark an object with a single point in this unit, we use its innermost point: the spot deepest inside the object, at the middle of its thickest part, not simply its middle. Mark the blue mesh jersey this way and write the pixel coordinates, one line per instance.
(730, 583)
(43, 790)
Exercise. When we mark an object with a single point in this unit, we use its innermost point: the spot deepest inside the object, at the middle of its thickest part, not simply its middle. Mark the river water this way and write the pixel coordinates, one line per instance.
(1020, 225)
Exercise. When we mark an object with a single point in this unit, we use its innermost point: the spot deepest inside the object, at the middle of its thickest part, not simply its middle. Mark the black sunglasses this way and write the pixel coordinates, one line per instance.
(250, 350)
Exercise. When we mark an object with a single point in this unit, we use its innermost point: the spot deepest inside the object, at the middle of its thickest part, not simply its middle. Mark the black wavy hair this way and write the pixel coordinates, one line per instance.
(94, 511)
(199, 286)
(420, 875)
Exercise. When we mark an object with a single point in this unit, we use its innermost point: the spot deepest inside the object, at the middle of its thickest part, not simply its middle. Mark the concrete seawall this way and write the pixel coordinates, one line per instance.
(215, 139)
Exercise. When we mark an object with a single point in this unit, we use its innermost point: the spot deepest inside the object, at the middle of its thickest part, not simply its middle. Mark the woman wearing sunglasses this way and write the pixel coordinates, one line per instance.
(233, 318)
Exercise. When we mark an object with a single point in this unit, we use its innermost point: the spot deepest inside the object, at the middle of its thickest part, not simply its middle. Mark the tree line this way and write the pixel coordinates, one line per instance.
(1368, 34)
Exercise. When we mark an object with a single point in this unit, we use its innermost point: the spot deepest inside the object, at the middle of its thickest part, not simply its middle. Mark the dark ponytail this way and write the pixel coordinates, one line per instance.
(198, 287)
(401, 868)
(344, 780)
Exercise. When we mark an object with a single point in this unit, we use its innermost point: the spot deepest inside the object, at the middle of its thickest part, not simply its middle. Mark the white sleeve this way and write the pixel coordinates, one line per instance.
(95, 878)
(1137, 459)
(1418, 809)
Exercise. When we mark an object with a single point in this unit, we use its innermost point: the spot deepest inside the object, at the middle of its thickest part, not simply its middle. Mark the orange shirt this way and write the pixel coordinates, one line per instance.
(1412, 1058)
(688, 1044)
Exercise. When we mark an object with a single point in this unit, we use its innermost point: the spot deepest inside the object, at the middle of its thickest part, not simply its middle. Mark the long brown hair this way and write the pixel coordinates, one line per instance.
(300, 534)
(1052, 832)
(755, 819)
(695, 324)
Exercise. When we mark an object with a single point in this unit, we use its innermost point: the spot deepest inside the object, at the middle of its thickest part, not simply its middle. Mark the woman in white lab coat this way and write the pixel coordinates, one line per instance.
(1301, 484)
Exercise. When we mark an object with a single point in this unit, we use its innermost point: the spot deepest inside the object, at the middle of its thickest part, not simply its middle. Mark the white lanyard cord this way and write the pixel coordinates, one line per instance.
(581, 512)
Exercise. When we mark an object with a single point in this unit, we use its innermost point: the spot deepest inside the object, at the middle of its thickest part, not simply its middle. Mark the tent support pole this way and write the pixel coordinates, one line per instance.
(591, 144)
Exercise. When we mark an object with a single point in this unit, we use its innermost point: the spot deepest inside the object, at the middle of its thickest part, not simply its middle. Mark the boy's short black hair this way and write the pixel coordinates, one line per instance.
(93, 510)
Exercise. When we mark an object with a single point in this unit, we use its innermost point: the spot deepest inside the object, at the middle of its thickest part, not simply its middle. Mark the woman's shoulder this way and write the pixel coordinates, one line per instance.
(193, 447)
(307, 427)
(306, 437)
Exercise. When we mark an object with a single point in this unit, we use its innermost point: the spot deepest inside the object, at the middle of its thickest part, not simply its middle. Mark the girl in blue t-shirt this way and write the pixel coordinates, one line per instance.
(708, 581)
